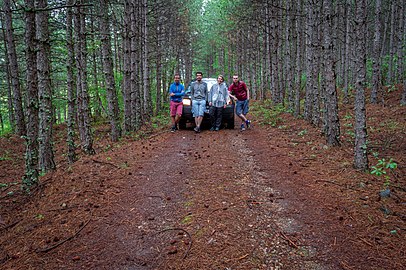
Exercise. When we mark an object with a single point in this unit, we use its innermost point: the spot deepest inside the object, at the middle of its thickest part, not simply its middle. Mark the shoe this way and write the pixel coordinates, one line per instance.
(242, 127)
(196, 129)
(216, 129)
(173, 128)
(176, 127)
(248, 123)
(212, 129)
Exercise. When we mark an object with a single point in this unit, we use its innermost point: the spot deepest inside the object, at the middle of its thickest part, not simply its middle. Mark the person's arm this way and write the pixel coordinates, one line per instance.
(181, 93)
(210, 98)
(171, 93)
(230, 92)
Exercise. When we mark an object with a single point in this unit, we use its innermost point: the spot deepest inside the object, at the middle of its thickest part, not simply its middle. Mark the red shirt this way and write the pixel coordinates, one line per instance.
(239, 90)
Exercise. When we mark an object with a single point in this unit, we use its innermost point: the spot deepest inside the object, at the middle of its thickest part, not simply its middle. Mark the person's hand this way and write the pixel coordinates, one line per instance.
(225, 105)
(171, 94)
(210, 103)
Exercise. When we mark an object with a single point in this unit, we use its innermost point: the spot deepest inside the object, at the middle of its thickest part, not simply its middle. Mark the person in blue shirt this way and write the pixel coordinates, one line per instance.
(176, 92)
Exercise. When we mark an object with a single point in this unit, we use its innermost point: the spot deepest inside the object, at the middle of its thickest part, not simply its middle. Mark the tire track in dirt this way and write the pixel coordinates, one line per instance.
(194, 201)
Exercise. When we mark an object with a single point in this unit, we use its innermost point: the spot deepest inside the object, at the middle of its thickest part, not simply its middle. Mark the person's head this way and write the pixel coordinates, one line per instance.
(176, 78)
(199, 76)
(220, 79)
(235, 78)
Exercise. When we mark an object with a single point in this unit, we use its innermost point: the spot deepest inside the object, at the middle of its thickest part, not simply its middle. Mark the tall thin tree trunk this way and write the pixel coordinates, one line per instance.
(376, 76)
(45, 153)
(391, 41)
(70, 86)
(31, 152)
(112, 100)
(146, 62)
(10, 107)
(360, 150)
(84, 117)
(331, 104)
(14, 71)
(347, 49)
(98, 102)
(127, 66)
(311, 78)
(299, 45)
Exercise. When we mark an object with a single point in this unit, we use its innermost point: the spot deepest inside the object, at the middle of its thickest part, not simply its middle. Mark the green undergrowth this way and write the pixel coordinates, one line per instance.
(268, 113)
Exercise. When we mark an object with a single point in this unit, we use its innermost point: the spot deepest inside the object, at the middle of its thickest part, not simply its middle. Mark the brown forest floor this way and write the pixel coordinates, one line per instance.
(267, 198)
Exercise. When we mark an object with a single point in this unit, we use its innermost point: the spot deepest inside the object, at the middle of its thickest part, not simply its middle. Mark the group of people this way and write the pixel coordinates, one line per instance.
(217, 98)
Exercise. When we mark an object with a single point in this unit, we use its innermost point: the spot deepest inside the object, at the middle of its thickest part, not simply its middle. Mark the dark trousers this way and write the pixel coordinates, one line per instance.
(216, 114)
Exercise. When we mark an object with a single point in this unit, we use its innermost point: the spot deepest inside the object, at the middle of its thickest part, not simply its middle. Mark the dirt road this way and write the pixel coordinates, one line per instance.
(214, 200)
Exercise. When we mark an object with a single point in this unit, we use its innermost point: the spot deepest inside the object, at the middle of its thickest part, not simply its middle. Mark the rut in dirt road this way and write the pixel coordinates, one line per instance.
(199, 201)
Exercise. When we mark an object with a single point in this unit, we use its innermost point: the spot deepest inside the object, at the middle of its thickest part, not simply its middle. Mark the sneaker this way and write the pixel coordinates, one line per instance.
(248, 123)
(173, 128)
(212, 129)
(242, 127)
(216, 129)
(196, 129)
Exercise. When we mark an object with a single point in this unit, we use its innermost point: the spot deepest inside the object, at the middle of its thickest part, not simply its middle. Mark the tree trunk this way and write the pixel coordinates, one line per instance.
(403, 100)
(10, 107)
(331, 104)
(311, 61)
(346, 64)
(376, 76)
(127, 66)
(98, 102)
(31, 140)
(45, 153)
(146, 62)
(70, 86)
(360, 150)
(20, 128)
(83, 112)
(391, 41)
(112, 100)
(299, 46)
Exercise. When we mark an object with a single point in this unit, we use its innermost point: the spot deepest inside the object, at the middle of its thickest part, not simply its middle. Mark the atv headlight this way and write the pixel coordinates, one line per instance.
(187, 102)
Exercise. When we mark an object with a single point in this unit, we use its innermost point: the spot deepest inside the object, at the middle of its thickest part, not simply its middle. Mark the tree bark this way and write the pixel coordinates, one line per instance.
(82, 96)
(70, 86)
(391, 43)
(112, 100)
(10, 107)
(376, 76)
(31, 140)
(146, 63)
(127, 66)
(360, 149)
(20, 128)
(45, 153)
(331, 104)
(347, 50)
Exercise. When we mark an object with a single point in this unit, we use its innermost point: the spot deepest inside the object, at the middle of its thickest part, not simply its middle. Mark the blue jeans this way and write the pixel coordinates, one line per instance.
(198, 107)
(242, 107)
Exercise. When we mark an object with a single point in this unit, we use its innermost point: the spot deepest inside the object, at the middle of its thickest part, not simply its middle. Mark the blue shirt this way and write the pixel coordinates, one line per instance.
(179, 90)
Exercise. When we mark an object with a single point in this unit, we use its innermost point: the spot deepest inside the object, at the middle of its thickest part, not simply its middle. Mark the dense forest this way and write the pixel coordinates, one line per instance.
(80, 62)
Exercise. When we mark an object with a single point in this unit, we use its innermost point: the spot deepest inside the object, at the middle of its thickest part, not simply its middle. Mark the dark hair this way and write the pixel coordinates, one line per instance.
(199, 72)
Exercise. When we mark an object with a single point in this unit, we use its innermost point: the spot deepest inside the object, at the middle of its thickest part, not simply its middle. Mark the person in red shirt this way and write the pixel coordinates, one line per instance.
(238, 90)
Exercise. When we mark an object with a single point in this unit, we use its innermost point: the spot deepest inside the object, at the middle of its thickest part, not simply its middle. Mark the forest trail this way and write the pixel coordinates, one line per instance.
(215, 200)
(197, 201)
